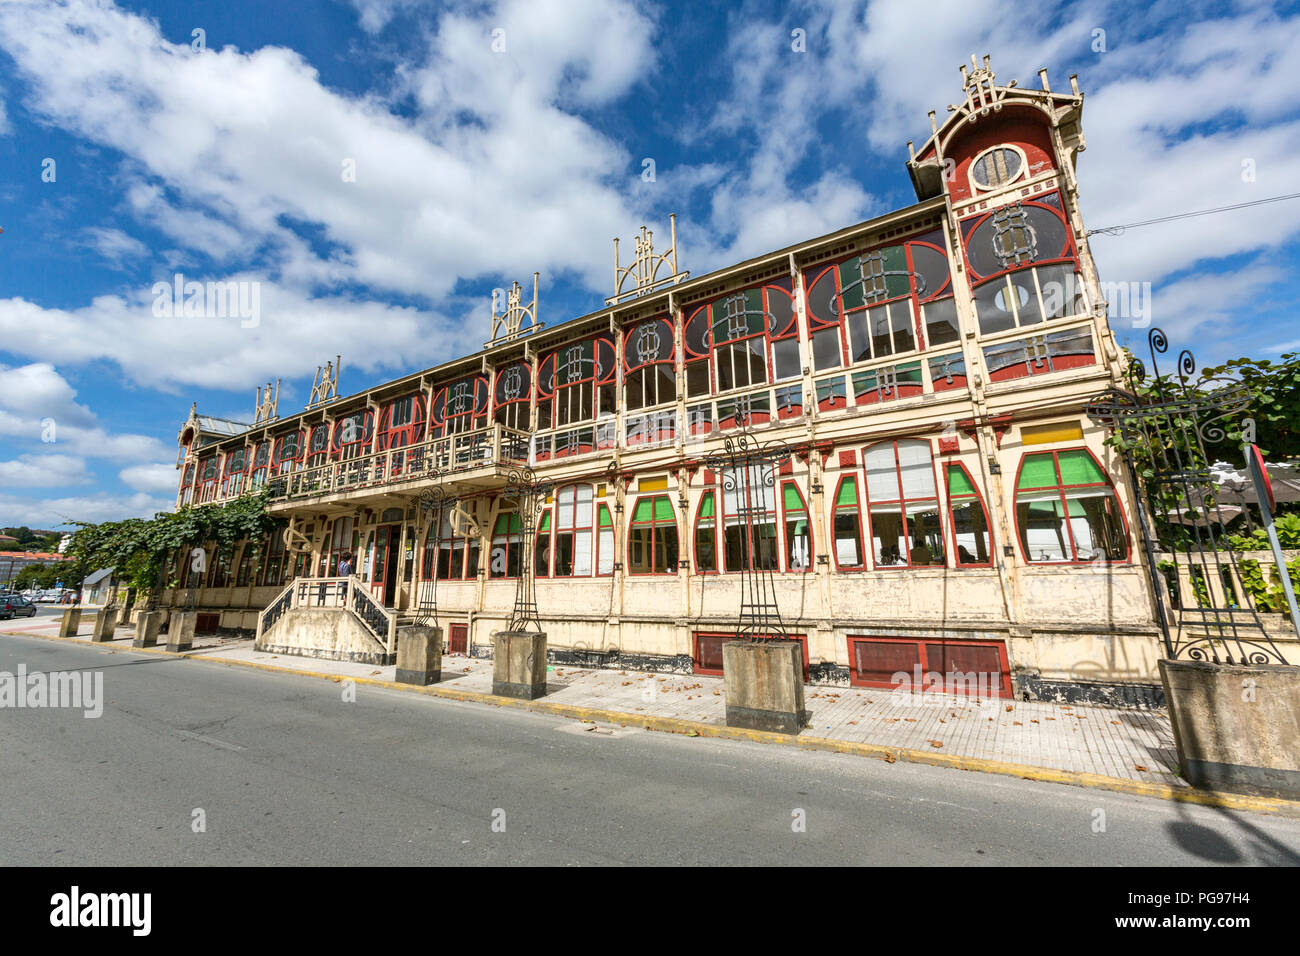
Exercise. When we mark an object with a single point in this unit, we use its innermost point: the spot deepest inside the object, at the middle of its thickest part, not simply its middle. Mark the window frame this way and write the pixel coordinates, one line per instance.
(856, 507)
(902, 503)
(1061, 487)
(791, 482)
(952, 519)
(671, 566)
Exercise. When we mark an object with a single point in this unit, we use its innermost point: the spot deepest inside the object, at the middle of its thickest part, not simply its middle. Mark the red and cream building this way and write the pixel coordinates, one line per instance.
(948, 503)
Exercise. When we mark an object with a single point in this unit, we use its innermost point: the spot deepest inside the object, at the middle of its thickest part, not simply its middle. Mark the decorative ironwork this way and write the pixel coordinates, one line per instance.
(524, 491)
(643, 270)
(266, 405)
(434, 501)
(1168, 422)
(371, 613)
(982, 92)
(748, 468)
(278, 609)
(518, 319)
(325, 386)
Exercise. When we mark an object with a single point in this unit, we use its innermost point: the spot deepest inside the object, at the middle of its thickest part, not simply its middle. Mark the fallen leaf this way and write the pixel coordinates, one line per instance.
(1138, 766)
(889, 758)
(936, 743)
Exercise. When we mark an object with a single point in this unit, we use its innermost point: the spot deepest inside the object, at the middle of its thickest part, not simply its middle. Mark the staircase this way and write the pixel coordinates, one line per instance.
(335, 618)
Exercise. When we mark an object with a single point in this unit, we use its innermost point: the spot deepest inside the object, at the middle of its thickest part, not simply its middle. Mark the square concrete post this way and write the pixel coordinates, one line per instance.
(147, 626)
(419, 655)
(764, 685)
(180, 631)
(519, 664)
(71, 621)
(105, 623)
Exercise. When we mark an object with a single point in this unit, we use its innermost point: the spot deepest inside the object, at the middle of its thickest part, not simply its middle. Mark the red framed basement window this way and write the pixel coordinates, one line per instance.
(707, 656)
(970, 668)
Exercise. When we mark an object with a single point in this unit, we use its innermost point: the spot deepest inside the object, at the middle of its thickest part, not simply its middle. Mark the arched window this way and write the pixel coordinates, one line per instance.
(751, 337)
(236, 467)
(460, 407)
(847, 524)
(209, 478)
(749, 519)
(456, 554)
(996, 167)
(903, 505)
(573, 531)
(352, 436)
(187, 484)
(261, 464)
(507, 546)
(1066, 509)
(1022, 265)
(604, 540)
(512, 395)
(402, 423)
(542, 546)
(798, 532)
(652, 537)
(649, 364)
(706, 535)
(286, 458)
(970, 522)
(577, 383)
(872, 305)
(318, 448)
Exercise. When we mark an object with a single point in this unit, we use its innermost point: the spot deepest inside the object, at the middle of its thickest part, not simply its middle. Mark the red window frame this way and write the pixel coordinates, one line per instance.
(711, 314)
(856, 507)
(575, 530)
(231, 488)
(443, 422)
(208, 485)
(654, 524)
(401, 436)
(649, 369)
(969, 225)
(513, 408)
(1061, 487)
(902, 503)
(725, 636)
(317, 451)
(952, 520)
(708, 493)
(600, 378)
(784, 532)
(922, 644)
(281, 465)
(341, 450)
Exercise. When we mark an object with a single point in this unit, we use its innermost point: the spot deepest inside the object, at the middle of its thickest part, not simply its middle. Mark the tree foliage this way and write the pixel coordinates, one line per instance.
(140, 550)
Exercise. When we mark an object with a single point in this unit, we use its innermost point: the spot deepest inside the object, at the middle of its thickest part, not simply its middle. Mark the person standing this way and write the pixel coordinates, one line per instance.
(345, 564)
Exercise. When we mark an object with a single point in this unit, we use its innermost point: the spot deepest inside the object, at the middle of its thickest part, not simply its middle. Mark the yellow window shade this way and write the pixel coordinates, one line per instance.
(1057, 431)
(653, 484)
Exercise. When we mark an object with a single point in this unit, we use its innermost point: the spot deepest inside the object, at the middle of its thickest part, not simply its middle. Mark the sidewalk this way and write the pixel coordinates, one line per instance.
(1123, 745)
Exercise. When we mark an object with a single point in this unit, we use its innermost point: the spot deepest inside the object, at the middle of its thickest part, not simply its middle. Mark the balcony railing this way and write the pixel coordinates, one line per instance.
(439, 457)
(348, 593)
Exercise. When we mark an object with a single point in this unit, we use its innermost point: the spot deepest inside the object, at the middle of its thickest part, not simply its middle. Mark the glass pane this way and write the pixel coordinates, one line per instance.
(1041, 520)
(706, 549)
(882, 476)
(888, 544)
(993, 308)
(605, 520)
(785, 358)
(791, 497)
(606, 562)
(706, 505)
(663, 509)
(1097, 526)
(848, 493)
(798, 546)
(941, 321)
(971, 531)
(847, 539)
(1037, 471)
(826, 349)
(1078, 468)
(582, 553)
(638, 556)
(958, 482)
(917, 473)
(925, 532)
(643, 510)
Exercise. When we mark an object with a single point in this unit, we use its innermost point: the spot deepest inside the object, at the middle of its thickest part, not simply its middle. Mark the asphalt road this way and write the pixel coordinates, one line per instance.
(286, 771)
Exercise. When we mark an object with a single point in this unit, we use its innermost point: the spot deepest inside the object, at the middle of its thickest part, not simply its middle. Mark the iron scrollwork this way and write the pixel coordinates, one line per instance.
(1168, 420)
(524, 491)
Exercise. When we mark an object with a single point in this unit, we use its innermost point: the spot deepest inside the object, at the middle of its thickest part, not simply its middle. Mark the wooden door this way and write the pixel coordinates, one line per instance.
(459, 639)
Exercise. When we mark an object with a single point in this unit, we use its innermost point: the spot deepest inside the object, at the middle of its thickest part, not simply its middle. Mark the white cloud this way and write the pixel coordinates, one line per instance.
(49, 471)
(114, 244)
(55, 512)
(160, 478)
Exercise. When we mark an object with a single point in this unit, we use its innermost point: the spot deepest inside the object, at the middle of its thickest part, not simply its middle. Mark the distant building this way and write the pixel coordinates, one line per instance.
(11, 562)
(97, 588)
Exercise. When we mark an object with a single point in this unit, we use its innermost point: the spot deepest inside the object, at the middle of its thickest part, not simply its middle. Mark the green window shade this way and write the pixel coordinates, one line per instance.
(546, 522)
(643, 510)
(848, 494)
(706, 506)
(507, 523)
(958, 483)
(663, 508)
(1037, 471)
(605, 521)
(792, 500)
(1078, 468)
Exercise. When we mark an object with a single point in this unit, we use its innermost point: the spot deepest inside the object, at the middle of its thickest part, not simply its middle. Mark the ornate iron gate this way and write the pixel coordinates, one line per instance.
(1163, 425)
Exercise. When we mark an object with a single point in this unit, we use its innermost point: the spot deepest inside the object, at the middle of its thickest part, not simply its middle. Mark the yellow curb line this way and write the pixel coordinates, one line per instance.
(676, 725)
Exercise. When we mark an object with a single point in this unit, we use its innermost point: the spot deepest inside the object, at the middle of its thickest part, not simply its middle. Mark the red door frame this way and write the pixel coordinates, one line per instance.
(1004, 683)
(459, 640)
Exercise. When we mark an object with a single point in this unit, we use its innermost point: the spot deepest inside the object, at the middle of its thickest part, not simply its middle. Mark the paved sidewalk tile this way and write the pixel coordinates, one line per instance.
(1109, 741)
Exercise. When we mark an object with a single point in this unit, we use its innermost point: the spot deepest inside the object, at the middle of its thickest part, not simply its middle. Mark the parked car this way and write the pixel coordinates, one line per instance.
(18, 606)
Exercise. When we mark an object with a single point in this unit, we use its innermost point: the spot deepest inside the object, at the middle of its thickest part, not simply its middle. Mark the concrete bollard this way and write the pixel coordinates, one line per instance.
(518, 664)
(147, 626)
(180, 630)
(70, 623)
(419, 655)
(764, 685)
(105, 624)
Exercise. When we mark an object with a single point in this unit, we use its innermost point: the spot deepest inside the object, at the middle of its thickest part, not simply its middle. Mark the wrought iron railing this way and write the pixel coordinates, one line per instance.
(349, 594)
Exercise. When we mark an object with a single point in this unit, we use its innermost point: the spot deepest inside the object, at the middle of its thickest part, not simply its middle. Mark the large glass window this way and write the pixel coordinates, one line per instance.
(652, 537)
(903, 505)
(867, 306)
(507, 546)
(649, 364)
(457, 554)
(573, 519)
(1066, 509)
(352, 436)
(287, 454)
(848, 524)
(798, 533)
(461, 406)
(751, 337)
(970, 522)
(514, 389)
(706, 534)
(605, 540)
(577, 383)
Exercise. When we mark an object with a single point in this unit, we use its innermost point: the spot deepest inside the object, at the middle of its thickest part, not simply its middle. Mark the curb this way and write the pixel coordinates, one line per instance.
(692, 728)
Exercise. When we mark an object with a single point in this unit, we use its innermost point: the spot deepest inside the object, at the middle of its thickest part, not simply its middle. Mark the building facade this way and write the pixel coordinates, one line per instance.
(947, 505)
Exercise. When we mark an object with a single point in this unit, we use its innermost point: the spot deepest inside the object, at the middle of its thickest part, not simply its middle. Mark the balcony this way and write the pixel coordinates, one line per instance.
(465, 457)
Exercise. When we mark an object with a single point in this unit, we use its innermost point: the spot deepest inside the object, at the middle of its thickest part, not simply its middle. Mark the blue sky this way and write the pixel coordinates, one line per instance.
(493, 139)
